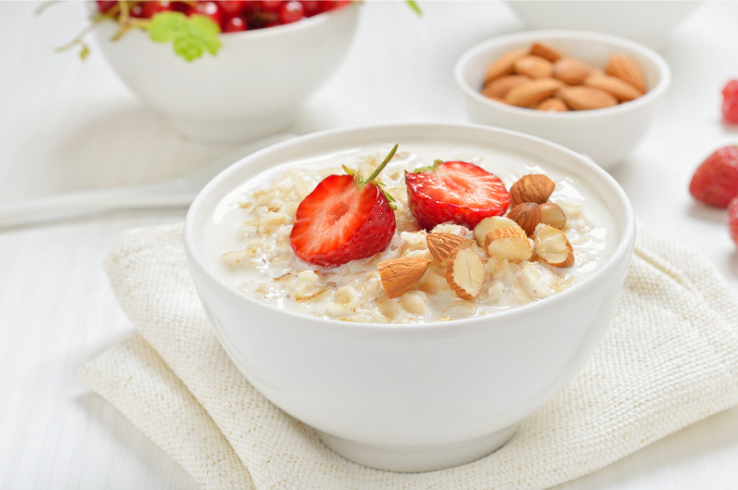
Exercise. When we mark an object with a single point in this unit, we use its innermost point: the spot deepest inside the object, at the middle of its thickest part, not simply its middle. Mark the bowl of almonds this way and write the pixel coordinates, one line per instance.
(593, 93)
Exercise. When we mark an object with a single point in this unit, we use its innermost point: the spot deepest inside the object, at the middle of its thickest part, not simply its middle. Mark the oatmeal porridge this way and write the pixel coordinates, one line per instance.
(249, 247)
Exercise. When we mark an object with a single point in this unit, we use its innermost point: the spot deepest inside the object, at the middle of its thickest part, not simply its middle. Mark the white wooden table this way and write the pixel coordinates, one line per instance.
(67, 126)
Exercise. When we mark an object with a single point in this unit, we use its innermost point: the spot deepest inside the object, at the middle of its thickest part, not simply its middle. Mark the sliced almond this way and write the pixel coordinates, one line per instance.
(570, 71)
(440, 245)
(400, 275)
(552, 246)
(546, 51)
(498, 88)
(504, 65)
(534, 67)
(535, 188)
(509, 243)
(464, 273)
(626, 69)
(552, 104)
(622, 91)
(527, 215)
(587, 98)
(552, 214)
(490, 224)
(532, 92)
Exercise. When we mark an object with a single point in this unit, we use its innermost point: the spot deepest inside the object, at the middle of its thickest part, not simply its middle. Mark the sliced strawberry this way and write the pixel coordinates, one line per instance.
(345, 218)
(460, 192)
(715, 182)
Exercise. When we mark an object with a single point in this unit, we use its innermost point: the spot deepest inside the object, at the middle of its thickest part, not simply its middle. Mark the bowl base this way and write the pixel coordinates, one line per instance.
(232, 131)
(418, 458)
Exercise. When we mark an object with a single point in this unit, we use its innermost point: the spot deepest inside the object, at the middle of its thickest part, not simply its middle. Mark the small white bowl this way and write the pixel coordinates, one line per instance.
(423, 396)
(647, 22)
(605, 135)
(254, 86)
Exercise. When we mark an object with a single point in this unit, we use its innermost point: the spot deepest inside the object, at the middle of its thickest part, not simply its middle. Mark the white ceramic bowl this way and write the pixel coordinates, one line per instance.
(413, 397)
(605, 135)
(647, 22)
(254, 86)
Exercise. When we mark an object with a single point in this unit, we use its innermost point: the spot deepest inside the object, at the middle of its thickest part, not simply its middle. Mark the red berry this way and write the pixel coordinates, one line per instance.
(733, 219)
(232, 8)
(105, 5)
(150, 9)
(312, 7)
(211, 9)
(730, 102)
(345, 218)
(235, 24)
(271, 5)
(715, 182)
(459, 192)
(137, 11)
(291, 12)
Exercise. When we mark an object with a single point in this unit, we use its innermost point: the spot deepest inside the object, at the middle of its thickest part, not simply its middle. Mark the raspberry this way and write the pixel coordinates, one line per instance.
(733, 219)
(730, 102)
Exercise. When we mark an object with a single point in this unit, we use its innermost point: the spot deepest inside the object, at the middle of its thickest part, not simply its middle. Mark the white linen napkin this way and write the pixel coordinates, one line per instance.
(669, 358)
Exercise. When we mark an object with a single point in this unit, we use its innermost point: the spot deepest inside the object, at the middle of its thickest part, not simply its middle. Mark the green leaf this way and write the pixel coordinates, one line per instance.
(414, 5)
(190, 36)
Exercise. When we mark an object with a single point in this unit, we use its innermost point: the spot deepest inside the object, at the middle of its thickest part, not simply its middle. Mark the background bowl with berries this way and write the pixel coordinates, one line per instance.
(225, 71)
(594, 93)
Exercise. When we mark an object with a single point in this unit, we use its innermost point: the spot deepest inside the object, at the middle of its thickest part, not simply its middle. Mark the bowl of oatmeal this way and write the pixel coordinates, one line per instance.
(440, 371)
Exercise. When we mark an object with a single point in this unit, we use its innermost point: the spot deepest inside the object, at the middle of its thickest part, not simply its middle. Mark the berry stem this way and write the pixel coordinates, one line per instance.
(376, 172)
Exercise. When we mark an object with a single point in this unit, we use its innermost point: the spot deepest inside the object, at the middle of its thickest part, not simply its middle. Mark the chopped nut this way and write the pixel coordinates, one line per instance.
(399, 275)
(464, 272)
(491, 224)
(552, 246)
(509, 243)
(552, 214)
(441, 245)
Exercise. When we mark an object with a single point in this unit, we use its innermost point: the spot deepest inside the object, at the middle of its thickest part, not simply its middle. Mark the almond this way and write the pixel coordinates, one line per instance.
(504, 65)
(552, 246)
(509, 243)
(552, 104)
(534, 67)
(552, 214)
(626, 69)
(546, 51)
(527, 215)
(491, 223)
(441, 245)
(535, 188)
(498, 88)
(400, 275)
(532, 92)
(464, 273)
(587, 98)
(621, 90)
(570, 71)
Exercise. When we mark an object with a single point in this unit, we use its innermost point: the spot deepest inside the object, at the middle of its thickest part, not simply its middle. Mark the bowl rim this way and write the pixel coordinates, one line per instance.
(662, 68)
(622, 251)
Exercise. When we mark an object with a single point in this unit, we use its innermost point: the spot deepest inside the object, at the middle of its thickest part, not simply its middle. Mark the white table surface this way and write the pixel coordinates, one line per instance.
(68, 126)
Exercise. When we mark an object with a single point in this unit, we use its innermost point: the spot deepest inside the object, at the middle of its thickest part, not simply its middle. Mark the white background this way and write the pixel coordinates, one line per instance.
(66, 126)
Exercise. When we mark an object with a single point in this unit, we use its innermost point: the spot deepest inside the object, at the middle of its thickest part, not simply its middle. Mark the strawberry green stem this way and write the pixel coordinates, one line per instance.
(376, 172)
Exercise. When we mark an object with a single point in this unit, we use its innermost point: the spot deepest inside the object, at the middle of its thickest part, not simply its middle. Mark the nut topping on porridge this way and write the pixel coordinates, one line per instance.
(400, 275)
(553, 246)
(464, 272)
(440, 245)
(535, 188)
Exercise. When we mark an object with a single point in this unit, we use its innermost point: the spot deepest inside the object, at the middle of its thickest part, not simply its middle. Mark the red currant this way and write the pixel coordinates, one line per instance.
(137, 11)
(271, 5)
(105, 5)
(231, 8)
(235, 24)
(150, 9)
(730, 102)
(312, 7)
(291, 12)
(211, 9)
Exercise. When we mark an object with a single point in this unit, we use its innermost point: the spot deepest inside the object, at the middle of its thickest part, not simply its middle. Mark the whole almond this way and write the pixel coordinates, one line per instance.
(398, 276)
(536, 188)
(534, 67)
(527, 215)
(546, 51)
(532, 92)
(621, 90)
(552, 104)
(498, 88)
(587, 98)
(570, 71)
(440, 245)
(626, 69)
(504, 65)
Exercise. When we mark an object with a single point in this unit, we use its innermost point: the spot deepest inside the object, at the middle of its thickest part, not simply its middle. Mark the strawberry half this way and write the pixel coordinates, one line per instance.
(460, 192)
(715, 182)
(345, 218)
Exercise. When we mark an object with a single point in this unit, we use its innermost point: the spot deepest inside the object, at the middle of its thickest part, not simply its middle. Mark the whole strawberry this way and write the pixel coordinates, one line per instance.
(733, 219)
(715, 182)
(460, 192)
(345, 218)
(730, 102)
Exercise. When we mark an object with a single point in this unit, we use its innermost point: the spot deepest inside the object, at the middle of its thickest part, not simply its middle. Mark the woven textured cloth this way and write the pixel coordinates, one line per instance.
(669, 358)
